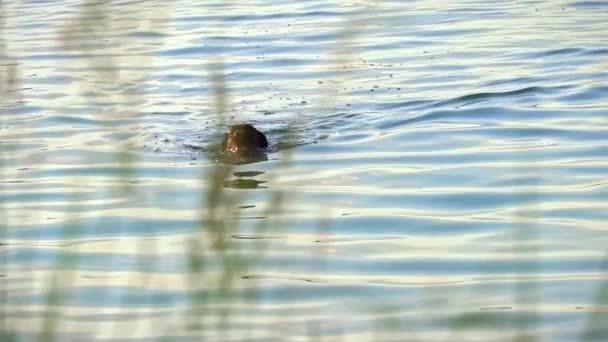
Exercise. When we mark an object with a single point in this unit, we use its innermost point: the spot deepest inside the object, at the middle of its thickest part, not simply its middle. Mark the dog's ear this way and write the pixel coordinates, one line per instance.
(262, 141)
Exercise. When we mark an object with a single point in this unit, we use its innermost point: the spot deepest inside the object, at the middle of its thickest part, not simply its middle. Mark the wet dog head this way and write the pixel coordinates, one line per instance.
(244, 138)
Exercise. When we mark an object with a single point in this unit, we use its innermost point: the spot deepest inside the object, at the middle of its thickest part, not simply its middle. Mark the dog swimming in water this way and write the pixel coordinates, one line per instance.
(243, 144)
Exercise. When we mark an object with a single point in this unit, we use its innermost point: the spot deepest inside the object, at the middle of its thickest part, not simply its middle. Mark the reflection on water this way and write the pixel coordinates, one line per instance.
(437, 171)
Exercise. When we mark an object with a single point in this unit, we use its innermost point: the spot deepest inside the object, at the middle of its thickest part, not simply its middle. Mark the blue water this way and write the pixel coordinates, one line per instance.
(438, 171)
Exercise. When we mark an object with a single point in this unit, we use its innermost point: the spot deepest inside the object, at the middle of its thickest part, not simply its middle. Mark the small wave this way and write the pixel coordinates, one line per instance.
(598, 52)
(555, 52)
(588, 94)
(589, 4)
(362, 281)
(482, 97)
(516, 80)
(147, 34)
(240, 18)
(407, 104)
(190, 51)
(469, 100)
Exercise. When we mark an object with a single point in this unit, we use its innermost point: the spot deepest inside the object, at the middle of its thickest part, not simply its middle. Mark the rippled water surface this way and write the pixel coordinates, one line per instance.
(438, 171)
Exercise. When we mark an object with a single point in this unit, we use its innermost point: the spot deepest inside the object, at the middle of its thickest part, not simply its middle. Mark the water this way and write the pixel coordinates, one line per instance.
(444, 180)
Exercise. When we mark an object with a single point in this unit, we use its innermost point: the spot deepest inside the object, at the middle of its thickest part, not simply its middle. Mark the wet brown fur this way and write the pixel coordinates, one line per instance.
(243, 139)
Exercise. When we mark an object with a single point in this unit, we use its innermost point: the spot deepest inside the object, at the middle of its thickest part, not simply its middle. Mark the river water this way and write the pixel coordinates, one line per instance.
(438, 171)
